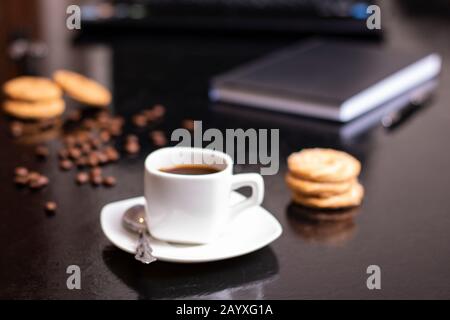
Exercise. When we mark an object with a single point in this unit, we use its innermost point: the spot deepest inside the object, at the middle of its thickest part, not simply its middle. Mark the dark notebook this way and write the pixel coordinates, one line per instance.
(330, 80)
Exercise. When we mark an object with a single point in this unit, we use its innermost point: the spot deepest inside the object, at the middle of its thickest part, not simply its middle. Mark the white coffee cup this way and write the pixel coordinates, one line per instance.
(194, 208)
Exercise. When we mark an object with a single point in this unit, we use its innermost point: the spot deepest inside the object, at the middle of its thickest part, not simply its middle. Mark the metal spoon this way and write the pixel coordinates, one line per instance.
(134, 220)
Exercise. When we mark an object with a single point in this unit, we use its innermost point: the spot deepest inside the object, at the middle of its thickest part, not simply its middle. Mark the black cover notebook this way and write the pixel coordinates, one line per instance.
(330, 80)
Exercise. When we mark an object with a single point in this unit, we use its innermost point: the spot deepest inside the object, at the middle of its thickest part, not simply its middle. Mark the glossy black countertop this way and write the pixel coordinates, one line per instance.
(403, 225)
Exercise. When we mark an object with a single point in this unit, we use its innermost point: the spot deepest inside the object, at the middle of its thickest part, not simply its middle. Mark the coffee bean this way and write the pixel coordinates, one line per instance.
(139, 120)
(21, 171)
(38, 183)
(50, 207)
(109, 181)
(102, 158)
(81, 162)
(96, 180)
(188, 124)
(70, 141)
(16, 129)
(82, 177)
(132, 147)
(158, 110)
(103, 118)
(115, 131)
(66, 164)
(159, 138)
(95, 172)
(33, 176)
(105, 136)
(112, 154)
(149, 115)
(74, 153)
(86, 148)
(21, 180)
(42, 151)
(92, 159)
(96, 143)
(81, 137)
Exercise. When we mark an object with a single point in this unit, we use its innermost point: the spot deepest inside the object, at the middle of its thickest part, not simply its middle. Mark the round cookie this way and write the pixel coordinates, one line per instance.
(350, 198)
(82, 89)
(323, 165)
(28, 88)
(318, 189)
(34, 110)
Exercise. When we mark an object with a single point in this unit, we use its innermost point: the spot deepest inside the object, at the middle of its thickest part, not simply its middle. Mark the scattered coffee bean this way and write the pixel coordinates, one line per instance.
(102, 158)
(95, 172)
(81, 138)
(85, 148)
(105, 136)
(50, 207)
(112, 154)
(66, 164)
(75, 153)
(92, 159)
(82, 178)
(16, 129)
(95, 143)
(42, 151)
(132, 147)
(81, 162)
(115, 131)
(38, 183)
(96, 180)
(109, 181)
(33, 175)
(188, 124)
(139, 120)
(21, 171)
(21, 180)
(158, 138)
(70, 141)
(158, 110)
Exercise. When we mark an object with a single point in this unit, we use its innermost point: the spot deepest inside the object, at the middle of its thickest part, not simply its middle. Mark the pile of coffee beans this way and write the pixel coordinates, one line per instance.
(89, 145)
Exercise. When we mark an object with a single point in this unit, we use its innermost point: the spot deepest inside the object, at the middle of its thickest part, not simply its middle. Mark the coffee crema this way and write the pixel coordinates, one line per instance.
(191, 169)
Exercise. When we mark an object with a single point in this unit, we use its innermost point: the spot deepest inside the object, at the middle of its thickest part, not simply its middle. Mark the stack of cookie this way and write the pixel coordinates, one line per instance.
(33, 98)
(324, 179)
(37, 98)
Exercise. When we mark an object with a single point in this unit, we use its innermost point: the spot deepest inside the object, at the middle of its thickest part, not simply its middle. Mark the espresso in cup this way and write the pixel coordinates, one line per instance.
(187, 193)
(191, 169)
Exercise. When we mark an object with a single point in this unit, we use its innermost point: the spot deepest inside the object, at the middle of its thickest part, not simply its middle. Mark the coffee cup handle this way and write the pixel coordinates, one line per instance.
(256, 183)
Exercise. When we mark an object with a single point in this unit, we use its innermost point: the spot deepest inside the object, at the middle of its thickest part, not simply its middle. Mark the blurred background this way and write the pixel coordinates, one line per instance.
(34, 28)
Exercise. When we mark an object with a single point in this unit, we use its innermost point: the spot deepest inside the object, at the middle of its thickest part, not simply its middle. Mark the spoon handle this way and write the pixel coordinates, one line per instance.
(144, 250)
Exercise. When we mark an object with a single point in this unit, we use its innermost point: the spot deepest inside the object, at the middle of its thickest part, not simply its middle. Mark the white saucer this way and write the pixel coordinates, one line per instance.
(251, 230)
